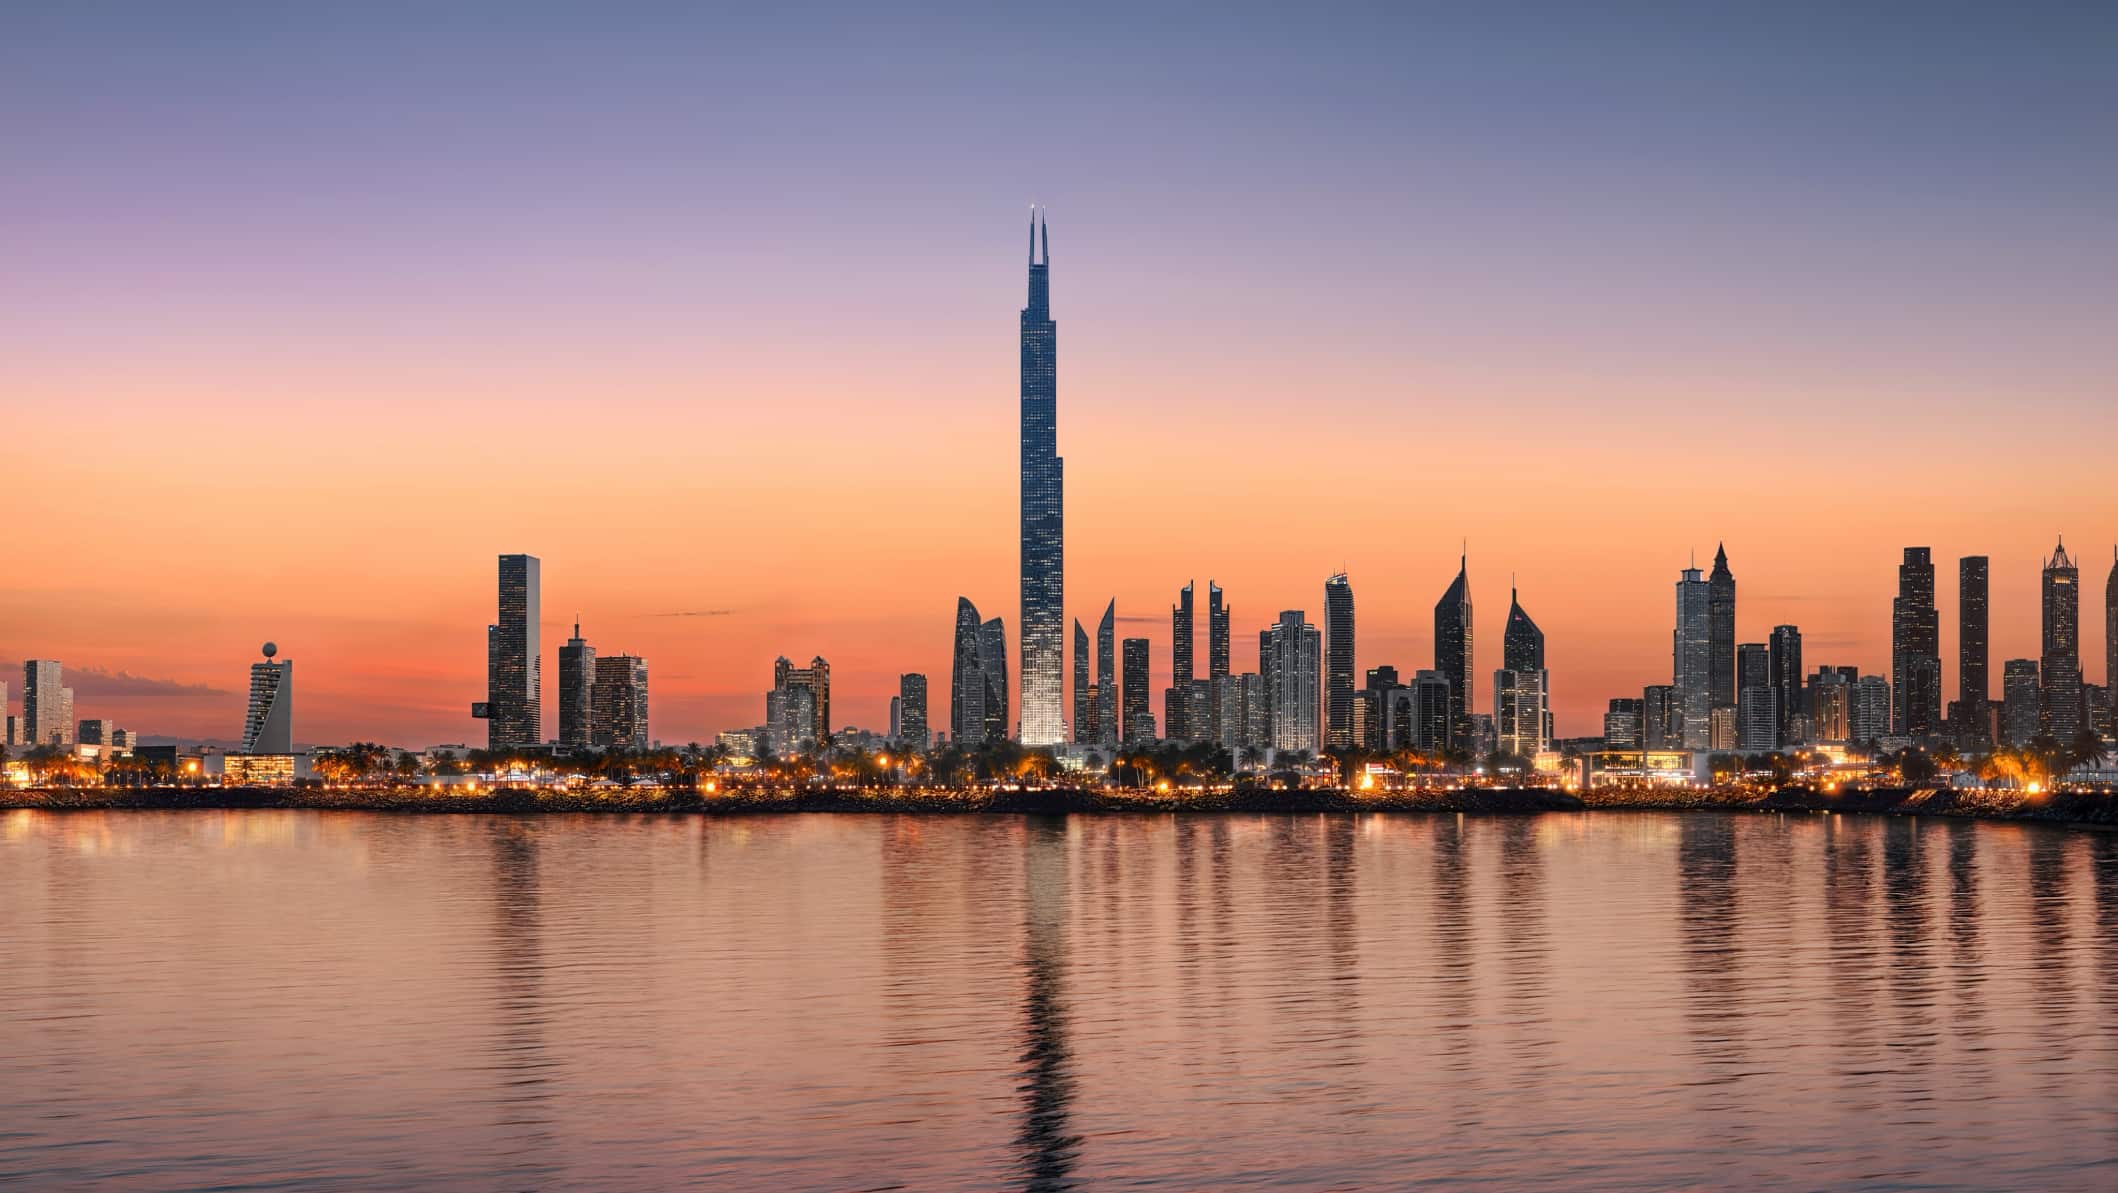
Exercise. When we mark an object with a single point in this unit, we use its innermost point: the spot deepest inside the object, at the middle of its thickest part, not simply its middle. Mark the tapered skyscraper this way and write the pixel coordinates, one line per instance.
(1043, 509)
(1175, 709)
(1721, 629)
(2061, 665)
(1452, 652)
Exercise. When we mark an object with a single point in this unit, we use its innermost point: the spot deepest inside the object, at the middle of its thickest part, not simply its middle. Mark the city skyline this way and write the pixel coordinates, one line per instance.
(1899, 250)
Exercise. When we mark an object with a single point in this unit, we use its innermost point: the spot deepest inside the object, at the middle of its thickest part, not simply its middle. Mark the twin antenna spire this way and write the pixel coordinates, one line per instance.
(1039, 228)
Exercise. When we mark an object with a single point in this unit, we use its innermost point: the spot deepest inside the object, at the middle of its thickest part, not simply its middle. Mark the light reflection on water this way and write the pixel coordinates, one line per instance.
(290, 999)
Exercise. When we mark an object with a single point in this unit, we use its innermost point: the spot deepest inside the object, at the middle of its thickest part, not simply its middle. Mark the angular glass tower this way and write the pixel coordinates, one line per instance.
(1043, 509)
(2060, 665)
(1453, 653)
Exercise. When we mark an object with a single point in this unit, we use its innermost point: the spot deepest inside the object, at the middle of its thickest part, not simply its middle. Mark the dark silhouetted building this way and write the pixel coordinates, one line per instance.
(1721, 631)
(1338, 663)
(1915, 648)
(577, 691)
(514, 666)
(1973, 649)
(1176, 702)
(1138, 725)
(2022, 701)
(912, 710)
(1453, 652)
(2061, 662)
(1757, 710)
(1787, 702)
(1084, 690)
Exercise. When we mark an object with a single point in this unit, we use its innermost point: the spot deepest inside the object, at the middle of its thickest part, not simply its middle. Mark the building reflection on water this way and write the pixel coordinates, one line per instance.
(1046, 1141)
(522, 1088)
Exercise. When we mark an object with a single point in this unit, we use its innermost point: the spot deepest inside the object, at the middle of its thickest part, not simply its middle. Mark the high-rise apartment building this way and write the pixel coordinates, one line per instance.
(1622, 724)
(47, 705)
(1043, 509)
(912, 710)
(1786, 661)
(1692, 669)
(1915, 648)
(2110, 632)
(618, 702)
(577, 691)
(1338, 663)
(1432, 712)
(1288, 656)
(1830, 702)
(1868, 713)
(1176, 718)
(1138, 727)
(1661, 718)
(815, 680)
(977, 693)
(2022, 701)
(1453, 652)
(268, 721)
(1522, 721)
(2060, 664)
(514, 670)
(1757, 712)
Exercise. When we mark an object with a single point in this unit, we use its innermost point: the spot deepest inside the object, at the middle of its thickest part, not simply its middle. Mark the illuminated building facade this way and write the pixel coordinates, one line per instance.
(514, 666)
(1043, 511)
(1138, 723)
(577, 691)
(1692, 660)
(1915, 648)
(618, 703)
(1973, 646)
(47, 705)
(1288, 657)
(2060, 664)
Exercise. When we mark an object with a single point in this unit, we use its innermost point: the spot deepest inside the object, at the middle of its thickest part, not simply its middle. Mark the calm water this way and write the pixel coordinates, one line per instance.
(266, 999)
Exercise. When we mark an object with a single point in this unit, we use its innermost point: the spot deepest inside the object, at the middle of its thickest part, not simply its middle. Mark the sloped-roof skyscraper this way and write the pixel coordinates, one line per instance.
(1453, 653)
(2060, 666)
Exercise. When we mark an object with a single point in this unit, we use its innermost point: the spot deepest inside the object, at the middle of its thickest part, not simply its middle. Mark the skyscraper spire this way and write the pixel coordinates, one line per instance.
(1044, 234)
(1033, 234)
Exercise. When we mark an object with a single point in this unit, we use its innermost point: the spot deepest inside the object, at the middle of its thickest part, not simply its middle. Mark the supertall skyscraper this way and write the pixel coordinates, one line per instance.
(1721, 623)
(1338, 663)
(1453, 653)
(1043, 509)
(514, 668)
(268, 723)
(2061, 664)
(1915, 648)
(1691, 671)
(1973, 649)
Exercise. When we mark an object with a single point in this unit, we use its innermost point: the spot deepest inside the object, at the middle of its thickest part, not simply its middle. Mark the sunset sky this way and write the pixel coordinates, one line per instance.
(308, 314)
